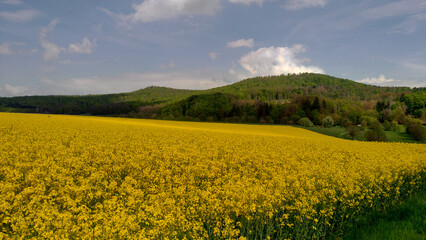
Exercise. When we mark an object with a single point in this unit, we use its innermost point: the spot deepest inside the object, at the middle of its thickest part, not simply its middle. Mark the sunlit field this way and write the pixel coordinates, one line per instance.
(92, 177)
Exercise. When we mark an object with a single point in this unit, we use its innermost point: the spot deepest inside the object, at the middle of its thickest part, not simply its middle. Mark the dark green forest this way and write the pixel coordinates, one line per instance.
(306, 99)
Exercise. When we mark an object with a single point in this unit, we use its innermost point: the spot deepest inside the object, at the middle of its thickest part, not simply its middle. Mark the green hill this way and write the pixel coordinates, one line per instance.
(106, 104)
(284, 99)
(307, 84)
(155, 94)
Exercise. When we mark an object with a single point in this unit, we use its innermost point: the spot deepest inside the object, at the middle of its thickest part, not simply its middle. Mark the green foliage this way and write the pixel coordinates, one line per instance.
(367, 121)
(327, 122)
(344, 133)
(398, 115)
(415, 129)
(387, 125)
(294, 119)
(353, 130)
(414, 101)
(281, 99)
(395, 126)
(375, 133)
(305, 122)
(406, 221)
(217, 106)
(285, 86)
(392, 126)
(108, 104)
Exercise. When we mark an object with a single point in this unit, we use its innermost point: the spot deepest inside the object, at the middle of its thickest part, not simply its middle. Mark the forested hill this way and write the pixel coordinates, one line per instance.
(275, 99)
(106, 104)
(285, 86)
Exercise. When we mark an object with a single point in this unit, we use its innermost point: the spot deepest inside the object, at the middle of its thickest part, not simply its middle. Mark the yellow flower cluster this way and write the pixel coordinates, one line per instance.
(91, 177)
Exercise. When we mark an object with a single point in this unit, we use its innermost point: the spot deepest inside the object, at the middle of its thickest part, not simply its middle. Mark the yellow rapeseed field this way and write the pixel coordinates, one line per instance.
(109, 178)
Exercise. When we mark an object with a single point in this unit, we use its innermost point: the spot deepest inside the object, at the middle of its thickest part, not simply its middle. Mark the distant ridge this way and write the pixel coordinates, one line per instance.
(310, 83)
(266, 89)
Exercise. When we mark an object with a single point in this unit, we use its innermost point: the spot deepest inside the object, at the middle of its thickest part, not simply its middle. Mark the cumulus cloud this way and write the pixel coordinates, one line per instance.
(299, 4)
(248, 2)
(20, 15)
(379, 80)
(241, 43)
(276, 61)
(155, 10)
(85, 47)
(52, 51)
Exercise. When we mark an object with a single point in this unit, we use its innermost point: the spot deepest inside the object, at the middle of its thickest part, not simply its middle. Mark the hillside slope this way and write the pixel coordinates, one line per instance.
(270, 87)
(307, 84)
(94, 104)
(271, 99)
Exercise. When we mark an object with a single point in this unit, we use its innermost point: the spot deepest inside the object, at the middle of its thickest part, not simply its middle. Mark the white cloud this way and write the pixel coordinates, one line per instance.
(10, 90)
(52, 51)
(170, 65)
(299, 4)
(213, 55)
(407, 81)
(155, 10)
(11, 2)
(379, 80)
(85, 47)
(10, 48)
(48, 28)
(276, 61)
(248, 2)
(4, 49)
(241, 43)
(20, 15)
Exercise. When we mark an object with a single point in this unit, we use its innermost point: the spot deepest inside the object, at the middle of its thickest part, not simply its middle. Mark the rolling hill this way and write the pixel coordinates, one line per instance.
(270, 99)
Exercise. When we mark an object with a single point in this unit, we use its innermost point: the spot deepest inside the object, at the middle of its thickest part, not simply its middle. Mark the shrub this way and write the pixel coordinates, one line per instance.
(306, 122)
(375, 133)
(353, 131)
(369, 120)
(415, 129)
(295, 118)
(395, 126)
(327, 122)
(284, 120)
(387, 125)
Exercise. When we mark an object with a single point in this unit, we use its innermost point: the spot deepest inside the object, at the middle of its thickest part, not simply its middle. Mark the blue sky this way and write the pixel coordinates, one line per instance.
(107, 46)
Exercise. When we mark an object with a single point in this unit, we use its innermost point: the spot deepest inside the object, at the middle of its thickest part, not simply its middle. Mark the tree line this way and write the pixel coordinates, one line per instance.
(304, 99)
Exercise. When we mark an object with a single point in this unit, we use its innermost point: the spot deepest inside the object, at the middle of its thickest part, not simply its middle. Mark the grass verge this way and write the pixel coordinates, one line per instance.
(341, 132)
(407, 221)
